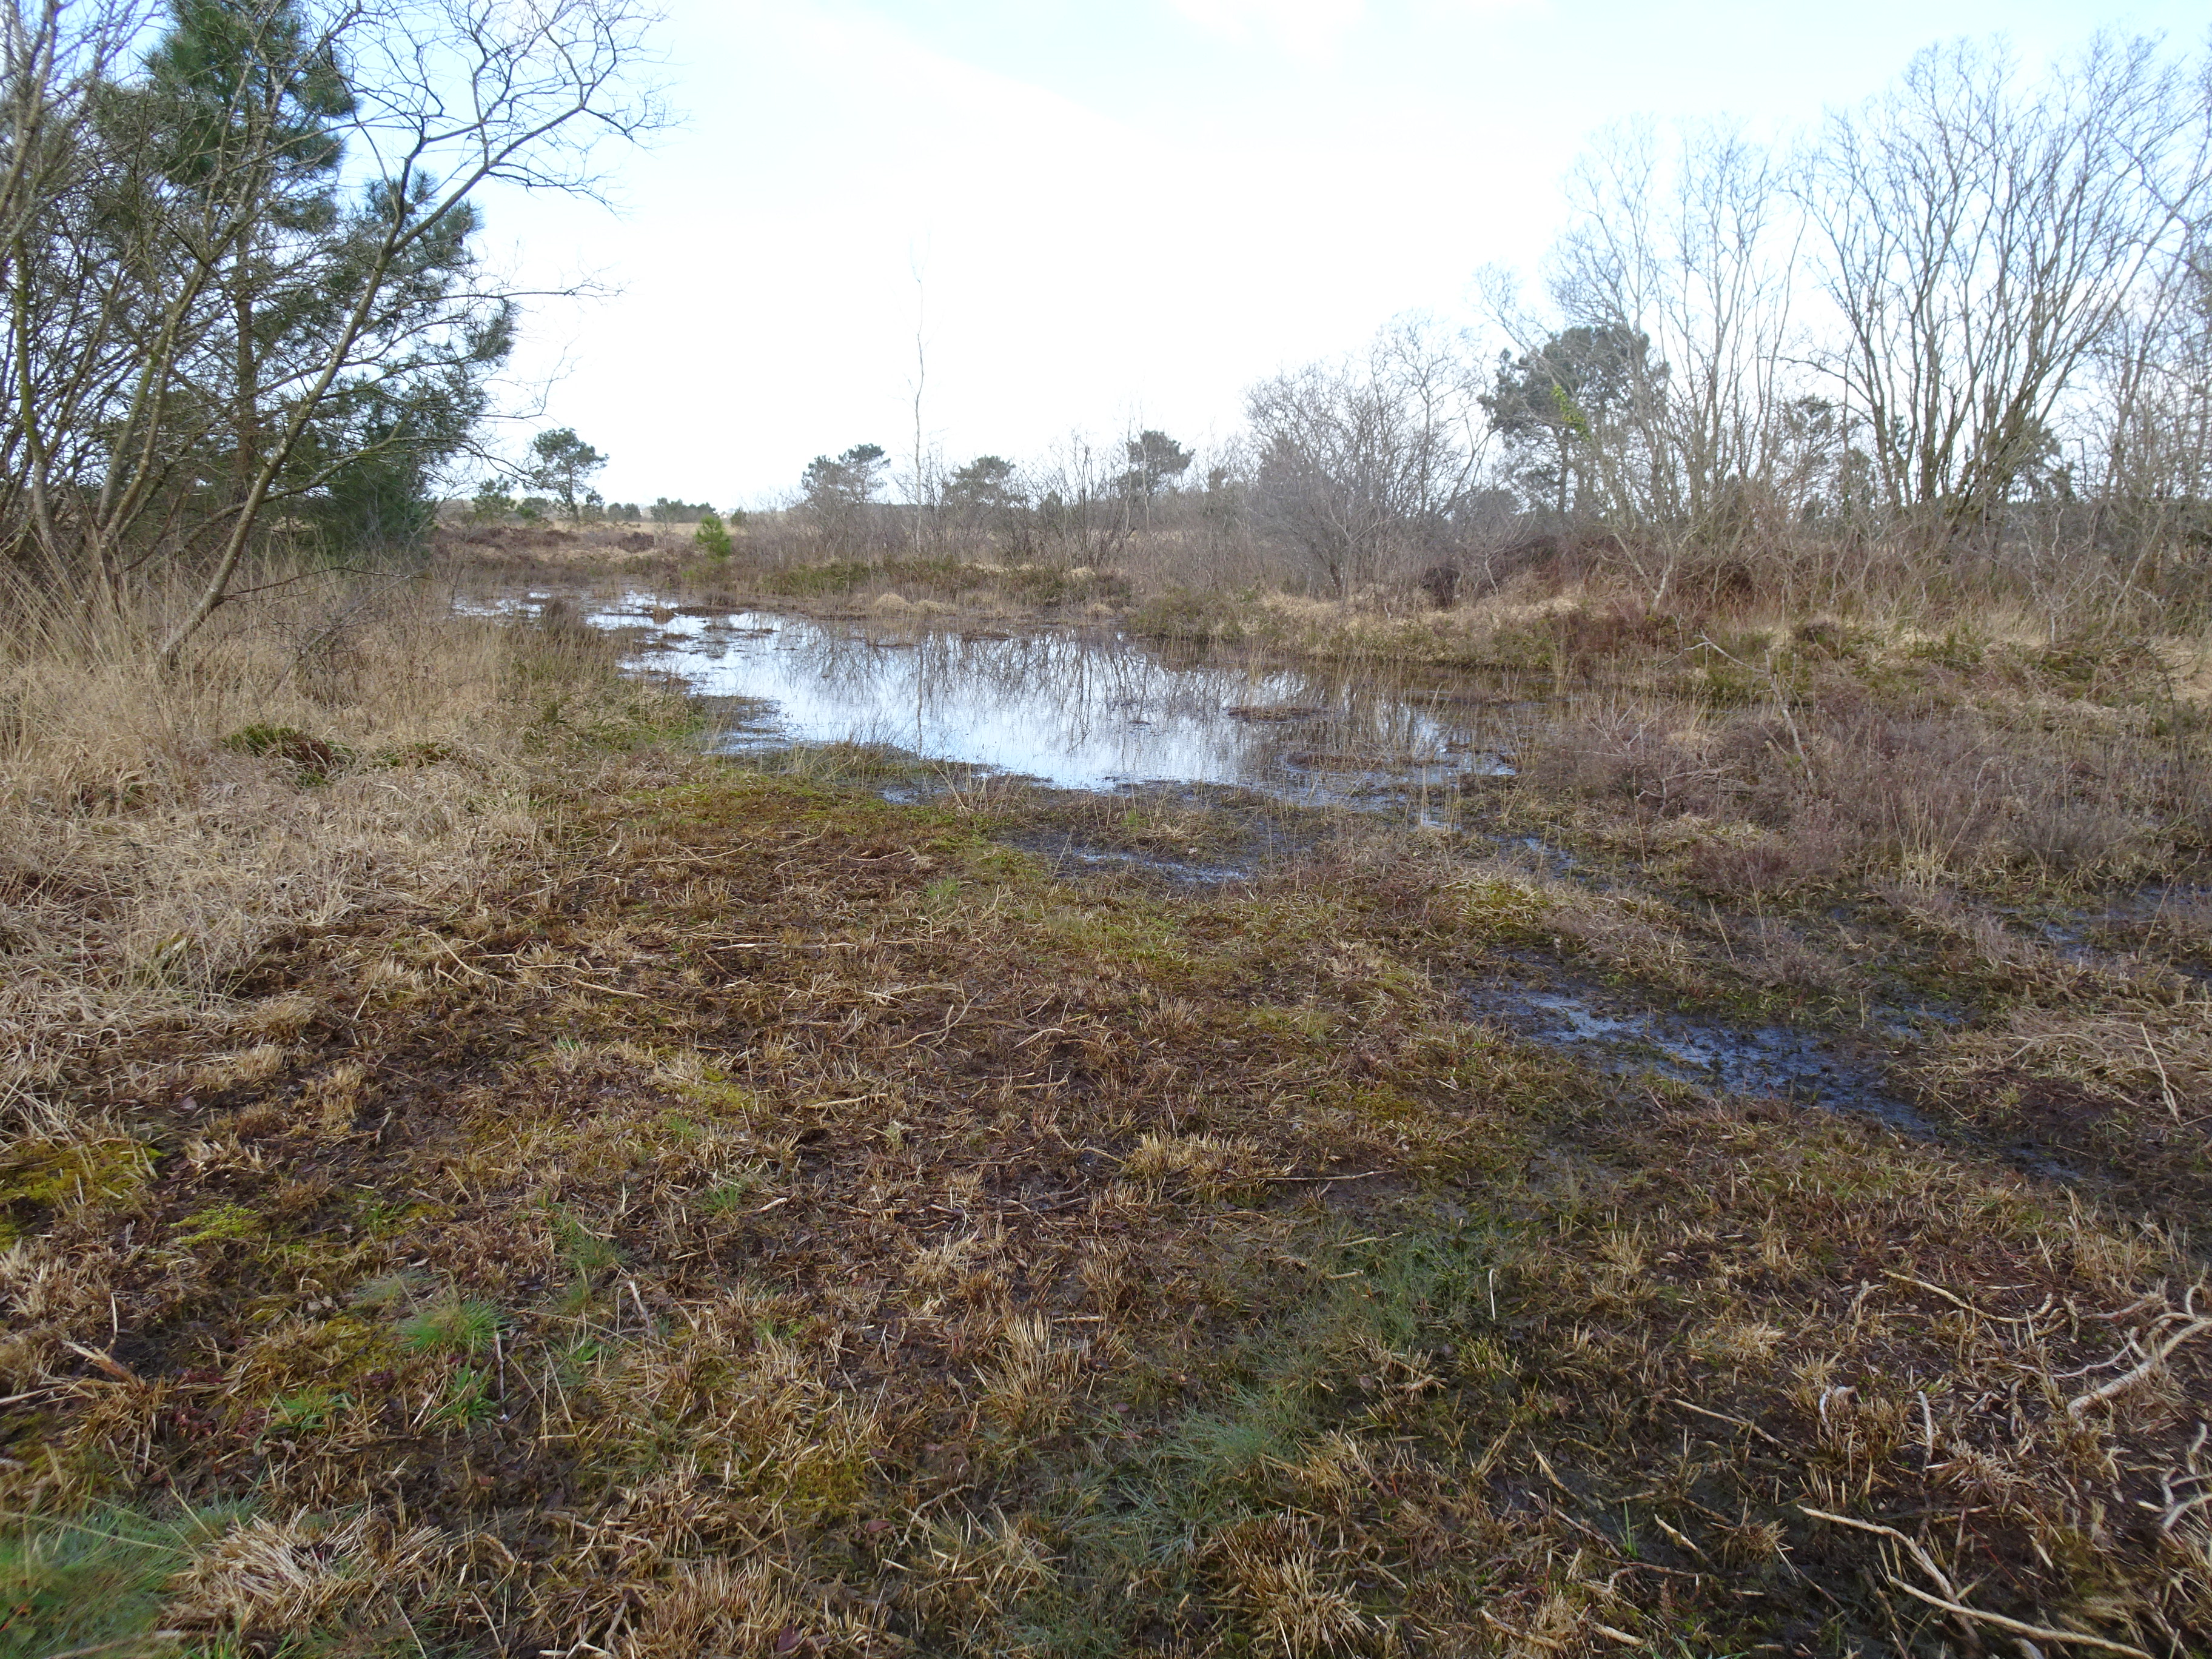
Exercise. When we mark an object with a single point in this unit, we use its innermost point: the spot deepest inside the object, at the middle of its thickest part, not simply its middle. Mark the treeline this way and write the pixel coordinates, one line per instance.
(244, 306)
(1959, 335)
(1088, 503)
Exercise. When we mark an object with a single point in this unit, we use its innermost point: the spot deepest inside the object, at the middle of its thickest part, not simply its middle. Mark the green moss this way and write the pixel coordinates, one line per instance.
(1962, 652)
(380, 1218)
(313, 760)
(715, 1095)
(1502, 909)
(36, 1175)
(218, 1223)
(995, 864)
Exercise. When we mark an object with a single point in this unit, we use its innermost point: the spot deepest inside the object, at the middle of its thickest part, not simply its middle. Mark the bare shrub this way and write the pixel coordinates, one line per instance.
(1640, 753)
(1919, 790)
(1362, 463)
(2069, 837)
(1808, 853)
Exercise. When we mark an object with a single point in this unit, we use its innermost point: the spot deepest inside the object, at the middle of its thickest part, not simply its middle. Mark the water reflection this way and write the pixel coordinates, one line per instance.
(1081, 711)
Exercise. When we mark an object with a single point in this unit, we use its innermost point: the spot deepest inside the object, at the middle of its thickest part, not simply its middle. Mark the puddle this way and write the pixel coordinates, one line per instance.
(1085, 711)
(1832, 1071)
(2107, 933)
(1806, 1068)
(1187, 875)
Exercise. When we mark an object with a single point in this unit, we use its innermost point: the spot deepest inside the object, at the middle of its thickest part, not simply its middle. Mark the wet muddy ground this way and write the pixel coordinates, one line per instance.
(1621, 1032)
(1272, 759)
(742, 1214)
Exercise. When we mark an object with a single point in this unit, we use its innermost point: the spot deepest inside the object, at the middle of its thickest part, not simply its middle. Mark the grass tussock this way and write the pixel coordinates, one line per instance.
(568, 1193)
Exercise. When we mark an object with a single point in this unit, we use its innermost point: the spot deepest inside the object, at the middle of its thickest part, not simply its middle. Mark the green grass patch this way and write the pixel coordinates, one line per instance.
(453, 1327)
(313, 759)
(93, 1581)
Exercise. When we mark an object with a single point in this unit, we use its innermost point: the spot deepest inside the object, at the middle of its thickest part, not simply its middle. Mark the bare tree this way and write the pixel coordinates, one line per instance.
(924, 484)
(1684, 240)
(1362, 460)
(58, 61)
(2146, 452)
(1078, 511)
(1981, 239)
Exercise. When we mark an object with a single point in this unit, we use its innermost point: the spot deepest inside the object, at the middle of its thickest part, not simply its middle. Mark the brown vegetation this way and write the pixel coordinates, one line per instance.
(481, 1176)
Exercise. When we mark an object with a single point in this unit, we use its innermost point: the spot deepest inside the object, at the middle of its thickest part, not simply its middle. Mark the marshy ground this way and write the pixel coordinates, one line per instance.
(486, 1176)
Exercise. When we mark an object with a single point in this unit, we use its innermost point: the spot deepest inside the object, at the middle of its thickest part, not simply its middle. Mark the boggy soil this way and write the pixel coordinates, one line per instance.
(765, 1218)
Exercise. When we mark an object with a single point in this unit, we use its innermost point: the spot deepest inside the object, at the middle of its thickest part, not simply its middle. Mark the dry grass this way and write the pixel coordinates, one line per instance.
(625, 1205)
(159, 837)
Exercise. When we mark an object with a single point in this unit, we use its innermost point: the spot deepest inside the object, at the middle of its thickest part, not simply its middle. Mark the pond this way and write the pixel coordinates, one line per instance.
(1081, 710)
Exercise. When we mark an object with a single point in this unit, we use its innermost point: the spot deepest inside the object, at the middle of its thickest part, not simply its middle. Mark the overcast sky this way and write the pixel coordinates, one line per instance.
(1109, 215)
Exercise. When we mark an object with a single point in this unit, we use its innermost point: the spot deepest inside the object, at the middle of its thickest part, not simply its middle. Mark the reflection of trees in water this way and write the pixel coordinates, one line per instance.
(1076, 686)
(842, 662)
(1093, 693)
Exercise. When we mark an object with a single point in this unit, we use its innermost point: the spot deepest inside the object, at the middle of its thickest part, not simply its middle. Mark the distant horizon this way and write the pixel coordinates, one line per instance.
(1104, 224)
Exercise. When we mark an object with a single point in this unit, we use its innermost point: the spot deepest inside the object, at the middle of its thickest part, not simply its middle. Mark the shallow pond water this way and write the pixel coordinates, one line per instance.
(1080, 710)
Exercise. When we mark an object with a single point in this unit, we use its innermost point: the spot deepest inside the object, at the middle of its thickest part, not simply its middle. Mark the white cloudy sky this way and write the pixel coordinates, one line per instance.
(1119, 213)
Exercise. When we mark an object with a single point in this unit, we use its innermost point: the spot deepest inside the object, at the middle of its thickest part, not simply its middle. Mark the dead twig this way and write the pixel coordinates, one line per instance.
(2177, 1507)
(1957, 1301)
(1948, 1600)
(1723, 1417)
(2033, 1632)
(1927, 1564)
(2165, 1082)
(2152, 1361)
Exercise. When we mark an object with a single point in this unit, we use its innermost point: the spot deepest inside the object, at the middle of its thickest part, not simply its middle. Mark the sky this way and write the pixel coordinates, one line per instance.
(1068, 219)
